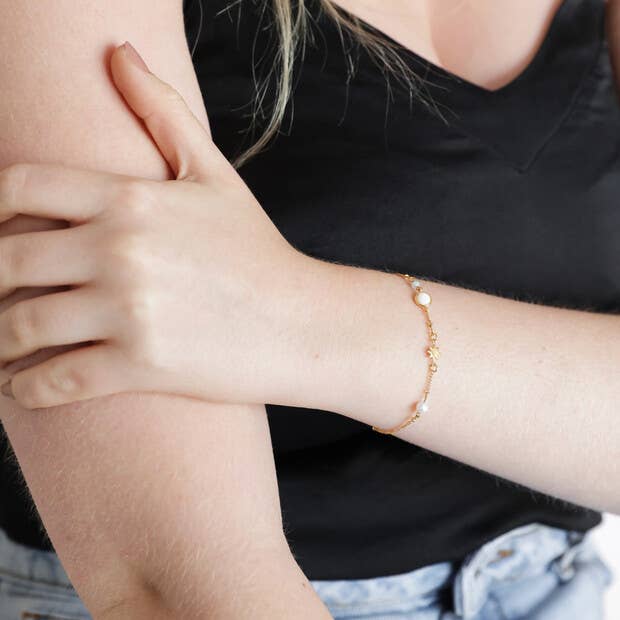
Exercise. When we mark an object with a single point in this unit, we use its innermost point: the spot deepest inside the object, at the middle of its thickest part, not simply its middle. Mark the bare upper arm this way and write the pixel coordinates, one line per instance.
(132, 488)
(55, 64)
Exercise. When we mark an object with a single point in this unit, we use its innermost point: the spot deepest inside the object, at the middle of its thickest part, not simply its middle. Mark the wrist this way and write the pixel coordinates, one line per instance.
(359, 332)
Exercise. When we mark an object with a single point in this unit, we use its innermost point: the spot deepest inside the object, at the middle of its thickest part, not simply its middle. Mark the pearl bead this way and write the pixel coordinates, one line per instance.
(415, 283)
(422, 407)
(423, 299)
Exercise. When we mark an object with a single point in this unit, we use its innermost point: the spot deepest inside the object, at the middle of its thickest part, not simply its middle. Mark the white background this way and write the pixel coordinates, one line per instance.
(607, 539)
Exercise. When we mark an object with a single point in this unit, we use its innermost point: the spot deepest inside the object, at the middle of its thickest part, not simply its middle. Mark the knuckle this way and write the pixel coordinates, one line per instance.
(21, 324)
(47, 385)
(172, 95)
(28, 398)
(5, 266)
(12, 180)
(130, 253)
(12, 264)
(139, 309)
(135, 198)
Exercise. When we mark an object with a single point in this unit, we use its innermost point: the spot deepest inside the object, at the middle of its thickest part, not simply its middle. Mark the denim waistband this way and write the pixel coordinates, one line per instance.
(34, 564)
(525, 551)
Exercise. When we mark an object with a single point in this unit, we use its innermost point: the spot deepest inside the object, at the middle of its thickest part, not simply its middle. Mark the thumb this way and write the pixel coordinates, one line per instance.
(178, 134)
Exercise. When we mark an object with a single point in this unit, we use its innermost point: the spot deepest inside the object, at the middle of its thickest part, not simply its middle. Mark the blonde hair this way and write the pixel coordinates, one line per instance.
(291, 22)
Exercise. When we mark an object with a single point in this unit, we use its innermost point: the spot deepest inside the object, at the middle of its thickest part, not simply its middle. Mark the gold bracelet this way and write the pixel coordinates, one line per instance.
(423, 301)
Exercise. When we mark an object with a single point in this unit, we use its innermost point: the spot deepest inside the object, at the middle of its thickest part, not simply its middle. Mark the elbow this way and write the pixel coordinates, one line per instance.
(140, 603)
(147, 601)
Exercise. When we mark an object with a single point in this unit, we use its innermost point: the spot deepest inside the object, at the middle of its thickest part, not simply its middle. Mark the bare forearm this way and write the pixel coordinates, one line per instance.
(524, 391)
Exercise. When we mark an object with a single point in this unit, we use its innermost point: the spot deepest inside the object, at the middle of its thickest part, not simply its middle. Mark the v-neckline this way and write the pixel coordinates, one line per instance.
(516, 120)
(447, 74)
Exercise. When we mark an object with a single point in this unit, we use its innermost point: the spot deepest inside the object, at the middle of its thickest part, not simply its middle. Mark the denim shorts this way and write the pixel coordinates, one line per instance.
(534, 571)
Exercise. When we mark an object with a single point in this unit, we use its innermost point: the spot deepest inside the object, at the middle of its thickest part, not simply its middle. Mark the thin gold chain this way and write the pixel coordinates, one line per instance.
(423, 300)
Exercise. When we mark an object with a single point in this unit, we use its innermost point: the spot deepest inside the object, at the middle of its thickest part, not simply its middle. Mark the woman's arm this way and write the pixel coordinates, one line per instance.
(158, 506)
(527, 392)
(524, 391)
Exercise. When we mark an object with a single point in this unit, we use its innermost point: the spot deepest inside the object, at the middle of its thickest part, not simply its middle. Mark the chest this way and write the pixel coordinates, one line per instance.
(487, 42)
(513, 191)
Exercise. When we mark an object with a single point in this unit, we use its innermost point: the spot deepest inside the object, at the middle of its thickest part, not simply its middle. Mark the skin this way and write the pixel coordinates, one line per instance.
(142, 531)
(345, 373)
(487, 42)
(132, 271)
(269, 302)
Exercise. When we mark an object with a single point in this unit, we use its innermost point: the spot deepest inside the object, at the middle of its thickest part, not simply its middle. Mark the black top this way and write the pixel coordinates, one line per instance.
(512, 192)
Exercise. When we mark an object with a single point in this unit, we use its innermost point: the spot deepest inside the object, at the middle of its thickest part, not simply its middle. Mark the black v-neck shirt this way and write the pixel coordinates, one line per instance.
(514, 192)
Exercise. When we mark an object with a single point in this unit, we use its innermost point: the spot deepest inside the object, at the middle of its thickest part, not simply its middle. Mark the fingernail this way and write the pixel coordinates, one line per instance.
(135, 58)
(7, 390)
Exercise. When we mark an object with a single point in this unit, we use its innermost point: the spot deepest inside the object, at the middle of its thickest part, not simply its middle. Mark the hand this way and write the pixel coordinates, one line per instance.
(182, 286)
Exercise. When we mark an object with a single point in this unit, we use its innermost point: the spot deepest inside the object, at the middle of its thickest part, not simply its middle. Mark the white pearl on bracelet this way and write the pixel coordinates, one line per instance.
(422, 407)
(415, 283)
(423, 299)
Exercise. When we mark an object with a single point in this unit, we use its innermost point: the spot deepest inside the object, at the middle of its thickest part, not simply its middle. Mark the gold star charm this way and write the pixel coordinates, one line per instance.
(433, 352)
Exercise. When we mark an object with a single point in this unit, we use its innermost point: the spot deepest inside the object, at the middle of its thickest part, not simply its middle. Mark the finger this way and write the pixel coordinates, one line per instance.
(67, 317)
(81, 374)
(179, 135)
(56, 191)
(50, 258)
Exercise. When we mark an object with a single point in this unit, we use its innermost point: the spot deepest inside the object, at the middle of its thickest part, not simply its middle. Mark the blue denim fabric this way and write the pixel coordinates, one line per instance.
(34, 586)
(535, 572)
